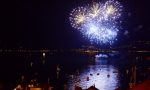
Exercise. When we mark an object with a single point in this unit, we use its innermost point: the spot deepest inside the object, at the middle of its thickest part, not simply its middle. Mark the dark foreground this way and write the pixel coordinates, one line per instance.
(65, 71)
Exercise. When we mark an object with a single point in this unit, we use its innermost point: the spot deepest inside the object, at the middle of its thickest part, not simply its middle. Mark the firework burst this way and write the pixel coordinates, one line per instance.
(98, 21)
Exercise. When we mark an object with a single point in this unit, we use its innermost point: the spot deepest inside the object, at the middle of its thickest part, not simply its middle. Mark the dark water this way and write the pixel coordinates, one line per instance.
(75, 69)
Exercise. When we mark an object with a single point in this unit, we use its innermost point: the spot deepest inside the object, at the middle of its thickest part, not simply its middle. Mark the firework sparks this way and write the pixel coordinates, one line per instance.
(110, 10)
(79, 19)
(95, 10)
(97, 22)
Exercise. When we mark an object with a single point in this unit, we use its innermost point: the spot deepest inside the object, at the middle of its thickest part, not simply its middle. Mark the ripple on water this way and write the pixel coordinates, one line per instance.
(97, 75)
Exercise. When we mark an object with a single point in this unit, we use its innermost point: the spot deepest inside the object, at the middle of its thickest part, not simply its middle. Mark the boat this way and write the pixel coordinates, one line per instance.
(101, 56)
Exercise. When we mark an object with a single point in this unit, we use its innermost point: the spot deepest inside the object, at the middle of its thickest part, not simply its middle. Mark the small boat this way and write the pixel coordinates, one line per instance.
(101, 56)
(91, 74)
(108, 75)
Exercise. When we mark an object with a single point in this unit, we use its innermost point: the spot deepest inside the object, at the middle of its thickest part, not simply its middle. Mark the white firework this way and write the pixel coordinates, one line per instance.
(98, 22)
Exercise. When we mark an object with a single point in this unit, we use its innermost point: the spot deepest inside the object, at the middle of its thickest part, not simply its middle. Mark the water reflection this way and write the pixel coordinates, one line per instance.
(102, 75)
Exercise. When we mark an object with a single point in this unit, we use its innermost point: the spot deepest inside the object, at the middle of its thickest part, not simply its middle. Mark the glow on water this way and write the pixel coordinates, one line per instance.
(98, 76)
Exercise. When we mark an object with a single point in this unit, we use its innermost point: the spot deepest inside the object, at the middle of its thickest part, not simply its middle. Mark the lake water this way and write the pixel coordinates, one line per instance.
(100, 74)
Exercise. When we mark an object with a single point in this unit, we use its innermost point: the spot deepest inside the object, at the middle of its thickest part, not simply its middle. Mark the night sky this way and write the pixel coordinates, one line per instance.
(45, 23)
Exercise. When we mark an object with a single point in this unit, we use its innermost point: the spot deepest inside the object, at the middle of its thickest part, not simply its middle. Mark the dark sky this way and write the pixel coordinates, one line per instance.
(45, 23)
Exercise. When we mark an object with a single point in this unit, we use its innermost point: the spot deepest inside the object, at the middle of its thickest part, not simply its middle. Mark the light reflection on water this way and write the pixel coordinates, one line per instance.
(98, 75)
